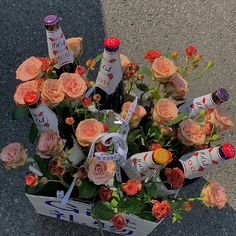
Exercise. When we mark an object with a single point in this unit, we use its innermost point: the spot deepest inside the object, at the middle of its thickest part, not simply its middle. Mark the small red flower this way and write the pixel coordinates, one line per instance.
(131, 187)
(90, 63)
(151, 55)
(175, 177)
(104, 193)
(97, 97)
(187, 206)
(119, 221)
(80, 70)
(86, 101)
(69, 120)
(190, 51)
(155, 146)
(82, 173)
(31, 179)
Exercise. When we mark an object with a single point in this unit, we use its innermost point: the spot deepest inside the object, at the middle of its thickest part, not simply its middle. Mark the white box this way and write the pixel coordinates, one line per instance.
(78, 212)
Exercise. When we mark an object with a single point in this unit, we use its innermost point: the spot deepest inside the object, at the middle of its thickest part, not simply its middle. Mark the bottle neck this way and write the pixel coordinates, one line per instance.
(111, 49)
(215, 99)
(35, 104)
(52, 27)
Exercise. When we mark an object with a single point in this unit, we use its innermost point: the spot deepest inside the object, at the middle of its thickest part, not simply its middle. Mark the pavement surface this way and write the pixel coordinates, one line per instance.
(141, 25)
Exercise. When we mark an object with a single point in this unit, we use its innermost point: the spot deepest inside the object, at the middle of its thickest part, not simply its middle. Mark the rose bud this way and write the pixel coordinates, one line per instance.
(214, 195)
(155, 146)
(187, 206)
(210, 64)
(31, 180)
(80, 70)
(78, 182)
(104, 193)
(119, 221)
(131, 187)
(13, 155)
(175, 177)
(44, 180)
(160, 210)
(164, 131)
(174, 54)
(90, 64)
(70, 120)
(86, 101)
(190, 51)
(97, 97)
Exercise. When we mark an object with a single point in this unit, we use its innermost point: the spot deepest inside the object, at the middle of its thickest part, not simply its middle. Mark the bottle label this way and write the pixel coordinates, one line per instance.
(58, 49)
(192, 108)
(110, 73)
(140, 166)
(201, 162)
(44, 118)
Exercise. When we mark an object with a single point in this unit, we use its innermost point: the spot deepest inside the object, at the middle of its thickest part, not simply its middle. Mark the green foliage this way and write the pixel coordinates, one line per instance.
(87, 189)
(146, 215)
(52, 74)
(34, 190)
(103, 210)
(131, 205)
(152, 190)
(179, 118)
(133, 148)
(145, 70)
(97, 58)
(20, 112)
(142, 87)
(176, 216)
(33, 133)
(43, 166)
(134, 134)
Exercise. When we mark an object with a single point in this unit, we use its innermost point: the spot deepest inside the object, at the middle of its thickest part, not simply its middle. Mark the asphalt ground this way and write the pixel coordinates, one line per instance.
(141, 25)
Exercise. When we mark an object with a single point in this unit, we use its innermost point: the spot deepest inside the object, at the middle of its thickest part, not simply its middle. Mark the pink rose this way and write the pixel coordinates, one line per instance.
(176, 86)
(190, 133)
(73, 85)
(219, 118)
(52, 93)
(137, 116)
(119, 221)
(31, 68)
(164, 111)
(163, 68)
(100, 172)
(214, 195)
(23, 89)
(13, 155)
(87, 131)
(49, 144)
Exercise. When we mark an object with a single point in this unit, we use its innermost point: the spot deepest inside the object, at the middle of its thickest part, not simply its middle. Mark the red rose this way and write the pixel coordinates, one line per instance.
(160, 209)
(119, 221)
(131, 187)
(56, 168)
(190, 51)
(86, 101)
(175, 177)
(69, 120)
(155, 146)
(80, 70)
(82, 173)
(104, 193)
(151, 55)
(31, 179)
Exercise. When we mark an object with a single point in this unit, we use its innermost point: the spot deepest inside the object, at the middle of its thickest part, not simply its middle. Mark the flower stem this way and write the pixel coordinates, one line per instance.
(63, 182)
(191, 199)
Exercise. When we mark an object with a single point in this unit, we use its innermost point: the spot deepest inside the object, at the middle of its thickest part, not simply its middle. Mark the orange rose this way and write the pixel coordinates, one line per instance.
(131, 187)
(137, 115)
(73, 85)
(52, 93)
(214, 195)
(31, 180)
(30, 69)
(176, 86)
(124, 61)
(190, 133)
(45, 62)
(75, 45)
(119, 221)
(23, 89)
(87, 131)
(163, 68)
(160, 209)
(219, 118)
(164, 111)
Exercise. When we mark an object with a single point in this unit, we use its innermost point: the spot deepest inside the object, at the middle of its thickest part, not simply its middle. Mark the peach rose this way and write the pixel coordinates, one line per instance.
(164, 111)
(214, 195)
(75, 45)
(30, 69)
(73, 85)
(49, 144)
(163, 68)
(13, 155)
(23, 89)
(219, 118)
(190, 133)
(52, 93)
(137, 115)
(131, 187)
(124, 61)
(160, 209)
(176, 86)
(100, 172)
(87, 131)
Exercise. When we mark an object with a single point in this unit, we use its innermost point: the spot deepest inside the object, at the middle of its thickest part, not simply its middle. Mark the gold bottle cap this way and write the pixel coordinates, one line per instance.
(161, 156)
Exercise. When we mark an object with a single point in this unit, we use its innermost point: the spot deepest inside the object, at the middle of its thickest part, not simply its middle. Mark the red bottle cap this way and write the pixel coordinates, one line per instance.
(111, 42)
(228, 150)
(31, 98)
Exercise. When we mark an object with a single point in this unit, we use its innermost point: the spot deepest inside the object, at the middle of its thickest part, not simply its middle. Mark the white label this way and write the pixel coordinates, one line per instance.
(192, 108)
(110, 73)
(58, 49)
(200, 162)
(44, 118)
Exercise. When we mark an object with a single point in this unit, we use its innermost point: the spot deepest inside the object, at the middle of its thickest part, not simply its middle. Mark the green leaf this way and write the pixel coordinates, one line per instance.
(114, 203)
(20, 112)
(133, 148)
(131, 205)
(103, 210)
(33, 133)
(97, 58)
(167, 55)
(146, 215)
(34, 190)
(143, 87)
(152, 190)
(145, 70)
(134, 134)
(87, 189)
(179, 118)
(52, 74)
(43, 166)
(155, 94)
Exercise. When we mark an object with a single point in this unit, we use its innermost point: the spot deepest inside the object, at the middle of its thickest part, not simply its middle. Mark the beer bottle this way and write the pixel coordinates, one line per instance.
(57, 46)
(109, 82)
(209, 101)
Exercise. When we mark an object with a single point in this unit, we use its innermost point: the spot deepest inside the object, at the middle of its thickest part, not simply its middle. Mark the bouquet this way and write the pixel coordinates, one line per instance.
(125, 162)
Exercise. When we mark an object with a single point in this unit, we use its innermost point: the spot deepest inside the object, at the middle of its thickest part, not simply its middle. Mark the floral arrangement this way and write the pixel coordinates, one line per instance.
(156, 123)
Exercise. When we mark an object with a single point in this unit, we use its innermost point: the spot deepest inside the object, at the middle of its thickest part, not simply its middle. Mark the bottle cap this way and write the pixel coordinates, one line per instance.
(222, 94)
(50, 20)
(162, 156)
(228, 150)
(30, 98)
(111, 42)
